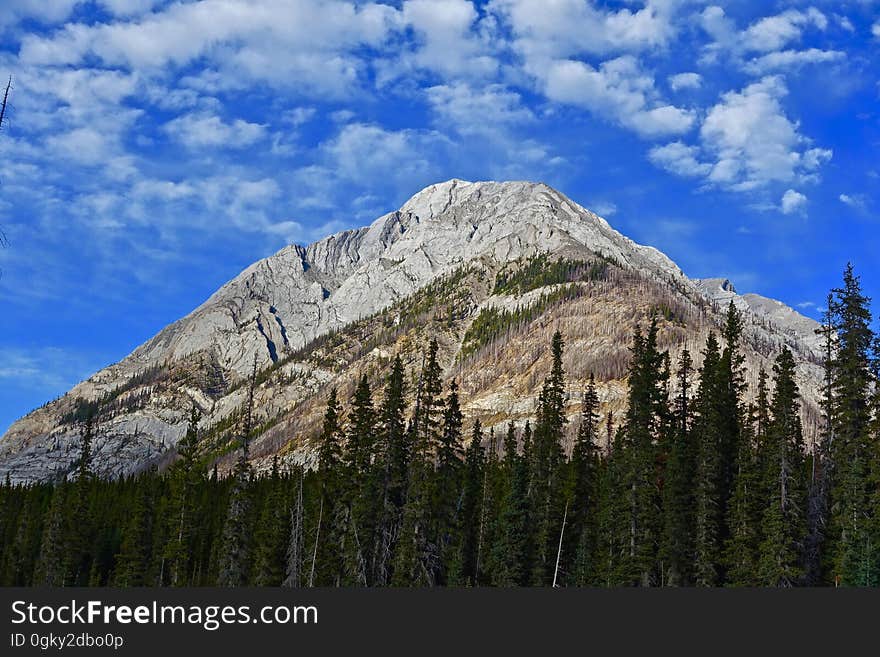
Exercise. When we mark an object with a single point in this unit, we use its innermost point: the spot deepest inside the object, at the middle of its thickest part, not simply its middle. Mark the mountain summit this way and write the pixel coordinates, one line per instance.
(472, 264)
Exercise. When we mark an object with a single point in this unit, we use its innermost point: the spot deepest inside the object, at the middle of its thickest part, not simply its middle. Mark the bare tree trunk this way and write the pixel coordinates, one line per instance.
(317, 537)
(559, 550)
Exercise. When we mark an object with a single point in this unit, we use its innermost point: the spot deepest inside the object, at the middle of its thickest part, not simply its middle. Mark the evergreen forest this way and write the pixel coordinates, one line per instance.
(694, 487)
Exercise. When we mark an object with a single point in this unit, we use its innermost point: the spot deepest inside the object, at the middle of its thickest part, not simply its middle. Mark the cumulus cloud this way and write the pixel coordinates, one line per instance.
(558, 30)
(685, 81)
(483, 110)
(792, 201)
(746, 142)
(447, 41)
(752, 139)
(303, 43)
(39, 10)
(619, 91)
(856, 201)
(766, 44)
(775, 32)
(679, 159)
(786, 59)
(207, 131)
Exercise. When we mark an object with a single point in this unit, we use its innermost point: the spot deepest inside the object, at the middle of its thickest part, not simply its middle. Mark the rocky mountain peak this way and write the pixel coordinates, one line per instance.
(281, 304)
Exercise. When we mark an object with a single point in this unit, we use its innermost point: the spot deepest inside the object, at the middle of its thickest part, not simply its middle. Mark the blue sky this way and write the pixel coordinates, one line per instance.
(155, 149)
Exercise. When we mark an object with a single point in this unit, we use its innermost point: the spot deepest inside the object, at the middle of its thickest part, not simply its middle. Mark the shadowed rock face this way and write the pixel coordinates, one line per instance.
(281, 303)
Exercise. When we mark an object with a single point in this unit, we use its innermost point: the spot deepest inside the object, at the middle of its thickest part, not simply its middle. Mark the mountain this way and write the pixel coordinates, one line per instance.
(489, 268)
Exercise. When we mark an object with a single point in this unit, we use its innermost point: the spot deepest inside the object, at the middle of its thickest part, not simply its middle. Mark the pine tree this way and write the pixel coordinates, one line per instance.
(545, 480)
(392, 455)
(272, 533)
(643, 431)
(582, 492)
(296, 543)
(781, 553)
(132, 562)
(743, 515)
(235, 555)
(417, 560)
(50, 567)
(362, 485)
(707, 489)
(79, 528)
(678, 491)
(185, 476)
(850, 540)
(509, 553)
(464, 568)
(326, 565)
(447, 479)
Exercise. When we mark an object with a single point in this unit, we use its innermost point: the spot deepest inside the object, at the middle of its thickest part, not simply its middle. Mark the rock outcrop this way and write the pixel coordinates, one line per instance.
(280, 305)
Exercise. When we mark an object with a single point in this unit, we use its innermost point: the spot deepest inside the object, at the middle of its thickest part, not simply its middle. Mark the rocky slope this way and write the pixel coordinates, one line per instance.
(322, 314)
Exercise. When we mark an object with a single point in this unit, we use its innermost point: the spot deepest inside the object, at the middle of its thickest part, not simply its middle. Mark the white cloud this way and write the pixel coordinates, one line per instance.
(751, 140)
(299, 116)
(128, 8)
(563, 28)
(53, 11)
(875, 30)
(604, 209)
(746, 142)
(680, 159)
(791, 59)
(477, 111)
(853, 201)
(197, 131)
(45, 368)
(446, 40)
(792, 201)
(775, 32)
(685, 81)
(368, 154)
(617, 90)
(308, 44)
(765, 45)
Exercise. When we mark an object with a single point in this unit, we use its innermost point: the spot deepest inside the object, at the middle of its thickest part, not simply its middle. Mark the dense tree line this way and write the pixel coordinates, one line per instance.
(693, 488)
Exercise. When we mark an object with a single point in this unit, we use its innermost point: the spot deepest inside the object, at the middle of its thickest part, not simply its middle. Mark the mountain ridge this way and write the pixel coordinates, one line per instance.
(282, 303)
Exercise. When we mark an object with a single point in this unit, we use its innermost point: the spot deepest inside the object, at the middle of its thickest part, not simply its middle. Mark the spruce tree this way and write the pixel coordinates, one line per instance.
(642, 436)
(707, 489)
(392, 465)
(447, 479)
(464, 566)
(272, 533)
(296, 543)
(133, 560)
(851, 543)
(79, 528)
(546, 482)
(676, 552)
(235, 548)
(361, 485)
(582, 491)
(326, 566)
(185, 477)
(509, 551)
(781, 553)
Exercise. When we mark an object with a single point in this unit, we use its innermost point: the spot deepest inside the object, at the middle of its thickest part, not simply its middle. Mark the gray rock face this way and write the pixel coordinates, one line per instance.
(774, 314)
(281, 303)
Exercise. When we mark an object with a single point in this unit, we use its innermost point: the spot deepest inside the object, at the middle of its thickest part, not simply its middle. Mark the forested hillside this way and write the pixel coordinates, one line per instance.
(696, 487)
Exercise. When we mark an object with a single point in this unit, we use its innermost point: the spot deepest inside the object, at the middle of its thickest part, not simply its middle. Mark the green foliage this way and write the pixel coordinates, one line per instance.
(541, 270)
(689, 490)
